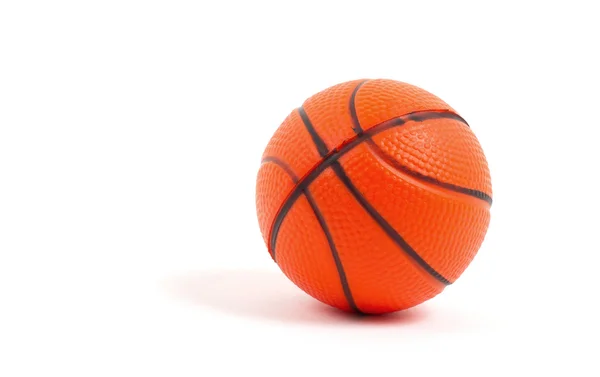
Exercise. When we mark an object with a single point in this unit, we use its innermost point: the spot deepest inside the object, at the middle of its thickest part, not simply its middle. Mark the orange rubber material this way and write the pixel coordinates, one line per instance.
(373, 196)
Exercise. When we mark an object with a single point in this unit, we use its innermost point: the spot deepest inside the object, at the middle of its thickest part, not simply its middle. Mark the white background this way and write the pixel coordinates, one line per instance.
(130, 138)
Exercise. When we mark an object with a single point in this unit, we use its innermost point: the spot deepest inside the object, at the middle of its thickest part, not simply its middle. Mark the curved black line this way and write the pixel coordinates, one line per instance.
(335, 154)
(389, 230)
(336, 256)
(416, 117)
(405, 169)
(355, 123)
(425, 178)
(334, 253)
(319, 143)
(282, 165)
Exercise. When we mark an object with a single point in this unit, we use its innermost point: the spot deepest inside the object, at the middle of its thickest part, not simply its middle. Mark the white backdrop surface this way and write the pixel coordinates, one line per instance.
(130, 138)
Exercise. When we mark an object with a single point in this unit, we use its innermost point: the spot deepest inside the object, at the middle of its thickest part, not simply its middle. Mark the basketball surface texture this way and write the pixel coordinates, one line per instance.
(373, 196)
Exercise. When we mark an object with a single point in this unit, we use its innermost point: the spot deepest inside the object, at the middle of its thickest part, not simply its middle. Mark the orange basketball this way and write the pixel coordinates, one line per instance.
(373, 196)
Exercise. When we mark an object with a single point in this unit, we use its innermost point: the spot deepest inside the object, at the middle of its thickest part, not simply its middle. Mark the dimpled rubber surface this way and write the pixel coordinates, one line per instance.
(446, 150)
(293, 145)
(380, 276)
(372, 211)
(380, 100)
(328, 111)
(304, 256)
(274, 184)
(455, 224)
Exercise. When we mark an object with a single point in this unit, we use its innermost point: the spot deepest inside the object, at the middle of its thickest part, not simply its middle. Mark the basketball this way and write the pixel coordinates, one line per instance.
(373, 196)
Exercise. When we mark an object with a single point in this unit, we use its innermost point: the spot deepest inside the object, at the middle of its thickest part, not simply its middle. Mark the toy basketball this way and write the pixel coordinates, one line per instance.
(373, 196)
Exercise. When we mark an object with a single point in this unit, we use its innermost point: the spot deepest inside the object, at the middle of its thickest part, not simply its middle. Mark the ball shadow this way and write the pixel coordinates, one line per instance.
(268, 295)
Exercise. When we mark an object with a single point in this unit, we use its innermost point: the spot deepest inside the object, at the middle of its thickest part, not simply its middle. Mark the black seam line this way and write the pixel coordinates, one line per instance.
(405, 169)
(319, 143)
(282, 165)
(321, 220)
(355, 123)
(335, 154)
(425, 178)
(375, 215)
(334, 253)
(389, 230)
